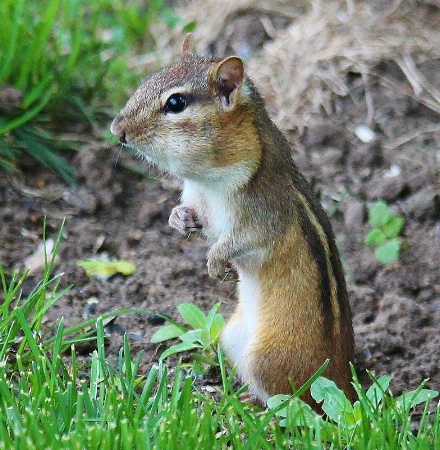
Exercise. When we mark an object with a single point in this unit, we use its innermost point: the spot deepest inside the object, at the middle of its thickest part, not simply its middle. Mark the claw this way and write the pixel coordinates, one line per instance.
(184, 220)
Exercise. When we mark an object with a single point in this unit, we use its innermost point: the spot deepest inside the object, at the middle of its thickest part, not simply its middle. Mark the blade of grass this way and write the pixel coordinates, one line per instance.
(32, 65)
(10, 36)
(41, 152)
(30, 339)
(26, 116)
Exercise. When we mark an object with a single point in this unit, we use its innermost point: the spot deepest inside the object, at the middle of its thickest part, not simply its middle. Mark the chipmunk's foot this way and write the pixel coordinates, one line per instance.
(221, 269)
(247, 397)
(231, 273)
(184, 219)
(216, 266)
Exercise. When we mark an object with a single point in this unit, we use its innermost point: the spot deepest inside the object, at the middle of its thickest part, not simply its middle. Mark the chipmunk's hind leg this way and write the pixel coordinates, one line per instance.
(234, 339)
(236, 343)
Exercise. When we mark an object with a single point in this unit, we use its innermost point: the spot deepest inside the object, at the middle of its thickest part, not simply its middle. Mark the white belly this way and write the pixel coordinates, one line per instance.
(212, 206)
(237, 335)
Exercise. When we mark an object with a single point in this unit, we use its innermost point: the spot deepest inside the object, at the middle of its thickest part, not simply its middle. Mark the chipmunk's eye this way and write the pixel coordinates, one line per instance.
(176, 103)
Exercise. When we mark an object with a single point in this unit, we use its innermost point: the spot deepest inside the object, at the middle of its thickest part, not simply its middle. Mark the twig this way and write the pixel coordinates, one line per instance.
(387, 82)
(368, 98)
(412, 135)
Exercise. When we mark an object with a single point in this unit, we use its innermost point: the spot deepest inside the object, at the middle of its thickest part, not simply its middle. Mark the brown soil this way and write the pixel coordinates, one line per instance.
(119, 214)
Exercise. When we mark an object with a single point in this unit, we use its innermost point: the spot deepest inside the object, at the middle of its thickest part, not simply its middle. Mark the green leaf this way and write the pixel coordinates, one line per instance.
(189, 27)
(388, 252)
(301, 413)
(335, 403)
(375, 237)
(166, 333)
(377, 390)
(192, 336)
(205, 338)
(193, 315)
(357, 411)
(413, 398)
(203, 359)
(278, 400)
(212, 315)
(217, 327)
(198, 368)
(379, 214)
(105, 269)
(393, 227)
(179, 348)
(125, 267)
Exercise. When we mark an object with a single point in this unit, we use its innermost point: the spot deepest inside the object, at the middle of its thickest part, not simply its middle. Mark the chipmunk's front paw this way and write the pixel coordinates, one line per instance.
(184, 219)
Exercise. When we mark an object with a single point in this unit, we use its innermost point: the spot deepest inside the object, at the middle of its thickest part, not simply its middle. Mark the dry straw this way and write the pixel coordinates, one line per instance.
(305, 65)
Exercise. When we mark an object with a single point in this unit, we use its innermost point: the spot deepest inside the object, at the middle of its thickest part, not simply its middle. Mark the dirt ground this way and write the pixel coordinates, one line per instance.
(117, 213)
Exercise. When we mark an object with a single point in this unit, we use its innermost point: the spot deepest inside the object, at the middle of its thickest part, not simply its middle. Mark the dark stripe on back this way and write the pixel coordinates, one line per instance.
(335, 261)
(318, 253)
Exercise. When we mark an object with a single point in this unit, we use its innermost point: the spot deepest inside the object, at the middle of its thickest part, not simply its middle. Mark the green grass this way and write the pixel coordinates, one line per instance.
(48, 399)
(68, 60)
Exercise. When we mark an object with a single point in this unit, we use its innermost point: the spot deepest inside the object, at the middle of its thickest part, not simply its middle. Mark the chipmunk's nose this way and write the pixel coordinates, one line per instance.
(118, 129)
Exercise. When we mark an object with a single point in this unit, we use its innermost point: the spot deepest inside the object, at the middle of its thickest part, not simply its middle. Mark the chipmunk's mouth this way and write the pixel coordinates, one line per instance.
(155, 155)
(142, 148)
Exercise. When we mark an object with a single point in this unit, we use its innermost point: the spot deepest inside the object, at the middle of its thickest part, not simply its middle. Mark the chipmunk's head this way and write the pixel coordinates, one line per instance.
(193, 119)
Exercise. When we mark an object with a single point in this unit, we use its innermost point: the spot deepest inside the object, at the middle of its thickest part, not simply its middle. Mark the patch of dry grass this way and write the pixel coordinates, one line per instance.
(307, 64)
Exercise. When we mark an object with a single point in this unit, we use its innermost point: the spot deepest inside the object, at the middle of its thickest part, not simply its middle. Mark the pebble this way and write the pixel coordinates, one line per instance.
(365, 133)
(91, 307)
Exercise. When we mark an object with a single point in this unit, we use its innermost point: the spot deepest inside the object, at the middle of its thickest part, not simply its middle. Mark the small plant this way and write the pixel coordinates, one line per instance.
(345, 421)
(50, 399)
(384, 235)
(202, 334)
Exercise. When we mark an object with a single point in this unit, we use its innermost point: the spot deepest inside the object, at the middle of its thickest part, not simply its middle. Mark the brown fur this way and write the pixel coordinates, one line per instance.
(243, 188)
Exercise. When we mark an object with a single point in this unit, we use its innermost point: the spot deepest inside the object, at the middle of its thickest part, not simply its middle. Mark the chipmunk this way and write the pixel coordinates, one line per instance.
(202, 120)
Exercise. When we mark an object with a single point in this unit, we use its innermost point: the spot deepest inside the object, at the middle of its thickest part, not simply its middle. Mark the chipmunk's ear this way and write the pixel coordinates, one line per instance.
(188, 46)
(226, 77)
